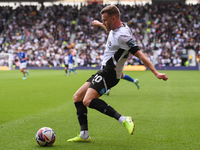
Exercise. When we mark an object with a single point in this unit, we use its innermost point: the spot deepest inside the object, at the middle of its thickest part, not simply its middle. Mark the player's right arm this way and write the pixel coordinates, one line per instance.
(97, 23)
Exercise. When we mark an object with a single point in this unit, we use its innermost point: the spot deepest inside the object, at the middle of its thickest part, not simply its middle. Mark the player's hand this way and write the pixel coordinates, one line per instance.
(162, 76)
(96, 23)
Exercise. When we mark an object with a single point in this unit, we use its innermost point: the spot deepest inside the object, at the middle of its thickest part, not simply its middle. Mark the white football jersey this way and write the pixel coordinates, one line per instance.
(119, 45)
(66, 58)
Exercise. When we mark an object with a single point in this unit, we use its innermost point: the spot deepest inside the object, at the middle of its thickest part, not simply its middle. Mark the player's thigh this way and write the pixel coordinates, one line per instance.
(101, 82)
(22, 66)
(80, 93)
(90, 95)
(70, 66)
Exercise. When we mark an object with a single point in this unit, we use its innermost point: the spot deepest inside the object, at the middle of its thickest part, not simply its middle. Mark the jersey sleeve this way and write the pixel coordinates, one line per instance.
(127, 43)
(25, 55)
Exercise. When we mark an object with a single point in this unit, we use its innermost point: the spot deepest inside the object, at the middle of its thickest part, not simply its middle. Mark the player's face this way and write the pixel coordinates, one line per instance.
(107, 21)
(19, 50)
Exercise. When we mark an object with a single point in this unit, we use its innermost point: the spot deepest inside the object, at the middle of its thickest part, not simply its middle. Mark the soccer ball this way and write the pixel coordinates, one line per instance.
(45, 136)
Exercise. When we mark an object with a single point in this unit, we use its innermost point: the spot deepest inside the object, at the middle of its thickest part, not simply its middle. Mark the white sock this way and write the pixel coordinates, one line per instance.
(122, 119)
(84, 134)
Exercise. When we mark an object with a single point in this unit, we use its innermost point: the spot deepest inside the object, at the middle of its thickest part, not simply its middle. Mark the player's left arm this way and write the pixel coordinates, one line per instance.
(127, 43)
(26, 57)
(148, 63)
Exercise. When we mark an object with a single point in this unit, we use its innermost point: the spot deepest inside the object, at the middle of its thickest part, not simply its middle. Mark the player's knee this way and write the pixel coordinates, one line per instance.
(86, 102)
(75, 97)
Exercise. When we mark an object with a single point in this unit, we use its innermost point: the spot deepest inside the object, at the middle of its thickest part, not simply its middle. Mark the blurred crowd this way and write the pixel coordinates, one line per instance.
(46, 34)
(94, 38)
(173, 29)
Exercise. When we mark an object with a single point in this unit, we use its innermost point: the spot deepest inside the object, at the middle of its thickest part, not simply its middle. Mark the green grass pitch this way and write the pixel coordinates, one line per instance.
(166, 114)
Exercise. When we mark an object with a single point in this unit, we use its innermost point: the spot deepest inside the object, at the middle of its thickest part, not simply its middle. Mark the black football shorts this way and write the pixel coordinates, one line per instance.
(101, 81)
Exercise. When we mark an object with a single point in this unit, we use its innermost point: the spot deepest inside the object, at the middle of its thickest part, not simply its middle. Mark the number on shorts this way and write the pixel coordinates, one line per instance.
(97, 79)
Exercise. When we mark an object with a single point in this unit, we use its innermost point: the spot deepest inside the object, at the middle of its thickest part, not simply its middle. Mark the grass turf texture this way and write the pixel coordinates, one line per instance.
(166, 114)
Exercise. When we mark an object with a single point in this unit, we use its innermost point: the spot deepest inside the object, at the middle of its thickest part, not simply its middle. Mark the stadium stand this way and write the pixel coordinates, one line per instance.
(170, 31)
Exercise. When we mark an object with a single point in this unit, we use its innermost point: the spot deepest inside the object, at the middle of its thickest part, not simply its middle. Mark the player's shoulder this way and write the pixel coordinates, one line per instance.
(124, 37)
(123, 31)
(124, 27)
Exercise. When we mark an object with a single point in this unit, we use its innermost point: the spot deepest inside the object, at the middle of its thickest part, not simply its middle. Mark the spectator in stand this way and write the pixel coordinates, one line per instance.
(45, 32)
